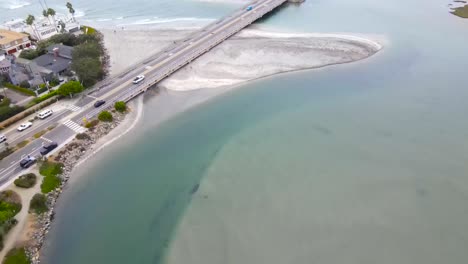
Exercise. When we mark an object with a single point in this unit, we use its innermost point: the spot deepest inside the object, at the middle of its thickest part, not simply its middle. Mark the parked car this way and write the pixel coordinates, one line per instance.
(2, 138)
(44, 114)
(27, 162)
(48, 148)
(138, 79)
(99, 103)
(24, 126)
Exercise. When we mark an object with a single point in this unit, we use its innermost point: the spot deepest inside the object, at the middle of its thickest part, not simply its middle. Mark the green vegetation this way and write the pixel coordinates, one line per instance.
(38, 204)
(42, 98)
(461, 11)
(50, 170)
(89, 70)
(29, 54)
(26, 180)
(16, 256)
(10, 205)
(19, 89)
(105, 116)
(70, 88)
(120, 106)
(25, 84)
(92, 123)
(6, 111)
(82, 136)
(22, 144)
(40, 134)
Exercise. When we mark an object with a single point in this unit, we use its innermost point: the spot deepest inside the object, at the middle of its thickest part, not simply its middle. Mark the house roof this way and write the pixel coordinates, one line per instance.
(7, 36)
(5, 63)
(63, 50)
(49, 62)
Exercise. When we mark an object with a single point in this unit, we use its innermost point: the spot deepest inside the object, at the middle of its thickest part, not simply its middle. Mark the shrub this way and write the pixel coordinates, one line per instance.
(50, 170)
(38, 204)
(88, 30)
(120, 106)
(40, 134)
(105, 116)
(26, 180)
(29, 54)
(82, 136)
(25, 84)
(44, 97)
(92, 123)
(42, 88)
(19, 89)
(54, 82)
(16, 256)
(70, 88)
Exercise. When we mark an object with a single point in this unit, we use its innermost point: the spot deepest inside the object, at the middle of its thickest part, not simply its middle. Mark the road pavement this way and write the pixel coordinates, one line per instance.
(120, 88)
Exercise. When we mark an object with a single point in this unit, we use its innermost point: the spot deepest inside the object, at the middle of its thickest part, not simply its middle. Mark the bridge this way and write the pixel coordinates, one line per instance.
(156, 68)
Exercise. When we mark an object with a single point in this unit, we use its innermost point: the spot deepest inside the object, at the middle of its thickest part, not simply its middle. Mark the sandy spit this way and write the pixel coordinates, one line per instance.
(249, 55)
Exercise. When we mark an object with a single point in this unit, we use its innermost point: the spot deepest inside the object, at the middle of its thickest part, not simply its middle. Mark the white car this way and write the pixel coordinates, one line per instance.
(2, 138)
(24, 126)
(138, 79)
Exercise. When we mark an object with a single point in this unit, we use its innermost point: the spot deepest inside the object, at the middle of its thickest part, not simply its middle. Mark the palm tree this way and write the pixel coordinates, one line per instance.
(71, 10)
(30, 22)
(51, 12)
(46, 15)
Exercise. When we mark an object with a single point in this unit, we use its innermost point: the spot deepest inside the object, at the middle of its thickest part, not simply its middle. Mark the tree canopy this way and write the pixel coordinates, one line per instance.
(70, 88)
(89, 70)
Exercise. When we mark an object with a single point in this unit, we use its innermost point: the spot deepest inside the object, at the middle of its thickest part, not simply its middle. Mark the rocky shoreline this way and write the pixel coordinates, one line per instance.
(70, 155)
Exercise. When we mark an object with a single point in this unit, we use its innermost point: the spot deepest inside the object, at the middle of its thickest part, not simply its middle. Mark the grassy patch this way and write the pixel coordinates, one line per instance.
(26, 180)
(10, 205)
(22, 90)
(38, 204)
(40, 134)
(50, 128)
(16, 256)
(22, 144)
(461, 11)
(50, 170)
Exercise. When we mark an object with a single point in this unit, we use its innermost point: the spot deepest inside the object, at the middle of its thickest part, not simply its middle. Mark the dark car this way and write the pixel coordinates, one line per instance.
(27, 162)
(99, 103)
(48, 148)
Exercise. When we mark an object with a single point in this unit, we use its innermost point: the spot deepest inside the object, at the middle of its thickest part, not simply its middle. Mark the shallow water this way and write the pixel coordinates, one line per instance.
(357, 163)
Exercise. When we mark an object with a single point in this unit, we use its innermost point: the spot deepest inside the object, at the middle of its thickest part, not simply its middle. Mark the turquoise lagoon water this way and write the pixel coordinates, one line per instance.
(357, 163)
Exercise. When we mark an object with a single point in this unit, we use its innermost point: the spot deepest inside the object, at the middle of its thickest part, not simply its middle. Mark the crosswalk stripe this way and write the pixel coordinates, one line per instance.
(74, 108)
(46, 139)
(74, 126)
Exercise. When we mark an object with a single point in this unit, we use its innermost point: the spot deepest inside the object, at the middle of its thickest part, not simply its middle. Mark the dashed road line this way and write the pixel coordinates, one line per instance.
(46, 139)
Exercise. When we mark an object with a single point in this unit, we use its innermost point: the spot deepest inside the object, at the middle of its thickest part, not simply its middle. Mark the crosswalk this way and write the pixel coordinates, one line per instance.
(74, 126)
(46, 139)
(74, 108)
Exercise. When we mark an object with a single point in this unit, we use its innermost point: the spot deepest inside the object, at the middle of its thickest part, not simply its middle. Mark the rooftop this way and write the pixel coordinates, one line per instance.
(63, 50)
(49, 62)
(7, 36)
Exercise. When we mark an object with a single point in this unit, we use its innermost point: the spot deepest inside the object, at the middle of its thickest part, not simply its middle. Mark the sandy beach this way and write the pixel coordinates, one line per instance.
(249, 55)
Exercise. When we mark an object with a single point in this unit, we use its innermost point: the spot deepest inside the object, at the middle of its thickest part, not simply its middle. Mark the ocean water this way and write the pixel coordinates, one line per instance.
(356, 163)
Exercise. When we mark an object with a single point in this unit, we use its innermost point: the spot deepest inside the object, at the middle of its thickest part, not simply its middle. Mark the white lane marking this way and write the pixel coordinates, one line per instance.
(46, 139)
(12, 162)
(74, 126)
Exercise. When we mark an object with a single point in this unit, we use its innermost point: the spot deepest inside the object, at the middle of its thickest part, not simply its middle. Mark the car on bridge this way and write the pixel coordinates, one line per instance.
(24, 126)
(27, 162)
(138, 79)
(2, 138)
